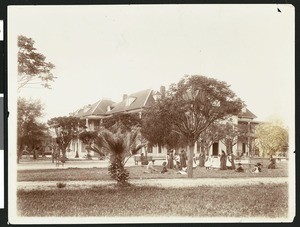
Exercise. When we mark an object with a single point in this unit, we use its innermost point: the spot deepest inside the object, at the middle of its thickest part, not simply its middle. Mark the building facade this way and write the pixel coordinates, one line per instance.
(135, 104)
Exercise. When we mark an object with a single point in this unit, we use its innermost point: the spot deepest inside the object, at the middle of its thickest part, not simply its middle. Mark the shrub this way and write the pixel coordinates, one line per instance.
(61, 185)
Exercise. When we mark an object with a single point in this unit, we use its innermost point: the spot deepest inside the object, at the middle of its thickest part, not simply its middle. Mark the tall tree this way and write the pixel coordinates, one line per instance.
(32, 67)
(66, 129)
(230, 134)
(194, 103)
(31, 132)
(210, 135)
(272, 137)
(156, 129)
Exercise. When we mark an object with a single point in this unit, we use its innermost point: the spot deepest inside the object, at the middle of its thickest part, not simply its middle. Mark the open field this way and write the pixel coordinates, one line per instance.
(137, 172)
(269, 200)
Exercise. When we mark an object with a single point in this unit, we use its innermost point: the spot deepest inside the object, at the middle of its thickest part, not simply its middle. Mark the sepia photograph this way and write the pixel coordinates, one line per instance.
(151, 113)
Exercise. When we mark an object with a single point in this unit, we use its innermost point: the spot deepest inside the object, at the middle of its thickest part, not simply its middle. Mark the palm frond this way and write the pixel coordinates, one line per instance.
(115, 143)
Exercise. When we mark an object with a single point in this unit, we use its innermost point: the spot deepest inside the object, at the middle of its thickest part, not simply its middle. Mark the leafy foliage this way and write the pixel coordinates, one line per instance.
(31, 132)
(66, 129)
(121, 145)
(210, 135)
(157, 130)
(93, 141)
(32, 67)
(271, 138)
(196, 102)
(192, 105)
(123, 121)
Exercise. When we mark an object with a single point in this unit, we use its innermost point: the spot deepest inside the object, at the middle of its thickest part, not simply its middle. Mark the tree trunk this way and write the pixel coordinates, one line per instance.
(232, 161)
(76, 155)
(190, 159)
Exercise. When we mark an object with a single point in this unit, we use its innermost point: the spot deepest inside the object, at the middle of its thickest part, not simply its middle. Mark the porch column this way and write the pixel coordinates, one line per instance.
(87, 123)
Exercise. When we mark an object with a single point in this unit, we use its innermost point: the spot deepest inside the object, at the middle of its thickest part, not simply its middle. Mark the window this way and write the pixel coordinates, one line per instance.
(129, 101)
(244, 148)
(150, 149)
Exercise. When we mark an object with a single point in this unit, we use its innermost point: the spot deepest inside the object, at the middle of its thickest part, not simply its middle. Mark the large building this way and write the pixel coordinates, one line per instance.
(95, 113)
(135, 103)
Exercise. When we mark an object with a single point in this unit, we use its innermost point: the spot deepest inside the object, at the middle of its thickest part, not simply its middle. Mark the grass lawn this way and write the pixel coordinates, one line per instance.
(137, 172)
(240, 201)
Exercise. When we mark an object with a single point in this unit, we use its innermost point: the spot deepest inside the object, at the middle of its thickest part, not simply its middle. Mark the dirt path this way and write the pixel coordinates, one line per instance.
(177, 183)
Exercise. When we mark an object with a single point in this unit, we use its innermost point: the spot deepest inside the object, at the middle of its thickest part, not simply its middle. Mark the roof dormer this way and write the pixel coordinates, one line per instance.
(129, 100)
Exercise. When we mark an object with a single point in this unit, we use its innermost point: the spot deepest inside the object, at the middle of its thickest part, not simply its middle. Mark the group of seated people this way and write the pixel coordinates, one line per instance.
(211, 162)
(151, 169)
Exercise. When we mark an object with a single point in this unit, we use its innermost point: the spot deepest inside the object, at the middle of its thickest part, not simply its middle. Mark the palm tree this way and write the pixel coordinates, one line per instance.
(121, 145)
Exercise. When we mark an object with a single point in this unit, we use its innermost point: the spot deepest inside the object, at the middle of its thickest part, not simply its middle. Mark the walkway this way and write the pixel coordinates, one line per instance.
(79, 163)
(50, 185)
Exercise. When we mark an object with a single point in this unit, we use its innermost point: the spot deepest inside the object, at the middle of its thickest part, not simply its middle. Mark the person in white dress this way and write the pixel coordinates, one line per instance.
(207, 163)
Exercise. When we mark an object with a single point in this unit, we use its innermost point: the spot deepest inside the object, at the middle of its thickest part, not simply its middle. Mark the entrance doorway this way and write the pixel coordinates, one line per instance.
(215, 149)
(244, 148)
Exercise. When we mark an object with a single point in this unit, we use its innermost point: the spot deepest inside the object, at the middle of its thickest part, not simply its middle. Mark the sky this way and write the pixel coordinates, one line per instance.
(107, 51)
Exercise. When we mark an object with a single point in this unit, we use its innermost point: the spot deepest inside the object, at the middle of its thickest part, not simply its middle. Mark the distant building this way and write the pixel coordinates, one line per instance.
(94, 114)
(135, 103)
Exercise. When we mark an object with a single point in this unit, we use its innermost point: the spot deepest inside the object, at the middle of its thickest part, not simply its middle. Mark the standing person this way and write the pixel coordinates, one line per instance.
(201, 159)
(171, 160)
(25, 151)
(144, 160)
(194, 161)
(177, 161)
(223, 161)
(182, 158)
(167, 159)
(208, 163)
(228, 162)
(271, 163)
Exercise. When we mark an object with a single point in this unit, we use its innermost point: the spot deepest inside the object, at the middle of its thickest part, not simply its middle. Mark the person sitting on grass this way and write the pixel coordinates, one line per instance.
(239, 168)
(164, 170)
(257, 168)
(150, 168)
(183, 170)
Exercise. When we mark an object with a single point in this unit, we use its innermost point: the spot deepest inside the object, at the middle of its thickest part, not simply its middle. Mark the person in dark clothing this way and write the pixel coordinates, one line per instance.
(239, 168)
(143, 159)
(223, 161)
(272, 163)
(164, 169)
(182, 157)
(201, 159)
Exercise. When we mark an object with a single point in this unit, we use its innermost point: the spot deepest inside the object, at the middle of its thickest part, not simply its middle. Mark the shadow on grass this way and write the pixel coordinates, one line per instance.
(105, 201)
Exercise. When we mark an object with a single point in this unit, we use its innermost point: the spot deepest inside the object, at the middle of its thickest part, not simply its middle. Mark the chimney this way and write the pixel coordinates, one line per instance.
(125, 96)
(163, 91)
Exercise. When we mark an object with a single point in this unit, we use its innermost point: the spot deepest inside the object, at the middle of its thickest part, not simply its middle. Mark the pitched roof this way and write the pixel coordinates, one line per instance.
(99, 108)
(79, 112)
(134, 101)
(247, 114)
